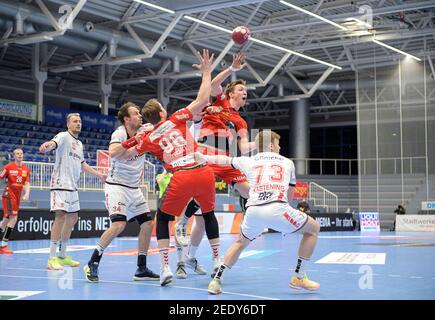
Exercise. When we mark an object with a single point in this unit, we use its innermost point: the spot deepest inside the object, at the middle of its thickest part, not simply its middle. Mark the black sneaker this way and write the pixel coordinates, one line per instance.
(145, 274)
(91, 272)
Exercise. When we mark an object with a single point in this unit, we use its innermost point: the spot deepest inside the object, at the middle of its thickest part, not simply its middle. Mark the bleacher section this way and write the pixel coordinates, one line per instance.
(29, 135)
(347, 190)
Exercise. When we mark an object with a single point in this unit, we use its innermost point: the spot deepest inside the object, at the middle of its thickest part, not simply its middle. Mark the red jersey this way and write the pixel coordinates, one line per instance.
(171, 141)
(219, 123)
(16, 176)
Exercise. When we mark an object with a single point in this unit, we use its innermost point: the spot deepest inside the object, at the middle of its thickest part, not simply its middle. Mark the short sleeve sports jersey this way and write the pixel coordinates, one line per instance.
(125, 172)
(171, 141)
(16, 177)
(68, 164)
(269, 176)
(219, 123)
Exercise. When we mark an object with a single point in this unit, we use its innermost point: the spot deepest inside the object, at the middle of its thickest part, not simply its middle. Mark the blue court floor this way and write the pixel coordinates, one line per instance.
(356, 266)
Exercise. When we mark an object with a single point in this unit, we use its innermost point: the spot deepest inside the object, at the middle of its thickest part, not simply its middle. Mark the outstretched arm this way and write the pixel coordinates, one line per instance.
(201, 100)
(238, 64)
(216, 159)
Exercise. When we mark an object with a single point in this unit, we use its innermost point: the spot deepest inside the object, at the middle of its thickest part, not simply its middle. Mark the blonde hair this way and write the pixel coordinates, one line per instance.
(232, 85)
(264, 138)
(151, 111)
(70, 115)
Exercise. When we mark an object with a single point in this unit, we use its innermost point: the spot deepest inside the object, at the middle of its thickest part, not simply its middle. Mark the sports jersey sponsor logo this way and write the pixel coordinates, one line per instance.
(74, 155)
(291, 220)
(13, 172)
(161, 130)
(183, 161)
(268, 157)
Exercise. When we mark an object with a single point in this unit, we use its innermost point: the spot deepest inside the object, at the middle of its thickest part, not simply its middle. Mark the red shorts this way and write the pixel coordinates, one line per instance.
(10, 206)
(225, 173)
(228, 174)
(195, 183)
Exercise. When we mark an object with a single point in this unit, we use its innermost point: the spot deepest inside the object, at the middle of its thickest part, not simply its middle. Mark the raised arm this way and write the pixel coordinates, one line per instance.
(238, 64)
(201, 100)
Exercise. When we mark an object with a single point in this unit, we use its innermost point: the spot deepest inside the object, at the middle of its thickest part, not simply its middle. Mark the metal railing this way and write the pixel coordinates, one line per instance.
(40, 176)
(317, 166)
(322, 197)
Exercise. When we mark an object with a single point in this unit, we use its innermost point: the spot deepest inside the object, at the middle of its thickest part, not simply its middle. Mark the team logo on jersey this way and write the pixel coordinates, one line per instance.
(74, 145)
(182, 116)
(13, 172)
(24, 174)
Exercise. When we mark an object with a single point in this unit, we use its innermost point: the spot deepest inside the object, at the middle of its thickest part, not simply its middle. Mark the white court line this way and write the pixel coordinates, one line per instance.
(416, 277)
(144, 284)
(359, 237)
(394, 275)
(48, 270)
(332, 271)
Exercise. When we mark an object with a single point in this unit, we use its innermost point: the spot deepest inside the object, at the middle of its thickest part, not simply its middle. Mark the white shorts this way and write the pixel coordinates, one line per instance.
(279, 216)
(125, 201)
(61, 200)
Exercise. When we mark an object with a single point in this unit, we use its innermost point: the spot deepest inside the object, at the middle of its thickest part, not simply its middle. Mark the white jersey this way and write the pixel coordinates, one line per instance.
(128, 172)
(269, 176)
(68, 165)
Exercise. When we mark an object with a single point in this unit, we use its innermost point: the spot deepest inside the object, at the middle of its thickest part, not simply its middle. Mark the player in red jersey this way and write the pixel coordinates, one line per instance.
(18, 176)
(171, 142)
(222, 130)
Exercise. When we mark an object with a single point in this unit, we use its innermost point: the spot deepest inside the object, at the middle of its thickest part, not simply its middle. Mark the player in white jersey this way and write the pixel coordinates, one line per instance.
(64, 197)
(124, 200)
(271, 179)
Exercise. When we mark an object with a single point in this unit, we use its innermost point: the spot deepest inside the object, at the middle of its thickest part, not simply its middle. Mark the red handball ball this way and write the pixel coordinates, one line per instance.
(241, 34)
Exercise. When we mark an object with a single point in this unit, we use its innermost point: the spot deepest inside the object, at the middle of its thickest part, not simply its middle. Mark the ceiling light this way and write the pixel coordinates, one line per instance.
(397, 50)
(155, 6)
(65, 69)
(314, 15)
(123, 61)
(295, 53)
(32, 39)
(365, 24)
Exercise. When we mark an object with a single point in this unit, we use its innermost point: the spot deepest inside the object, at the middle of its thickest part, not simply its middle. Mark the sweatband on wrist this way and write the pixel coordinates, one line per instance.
(127, 144)
(234, 69)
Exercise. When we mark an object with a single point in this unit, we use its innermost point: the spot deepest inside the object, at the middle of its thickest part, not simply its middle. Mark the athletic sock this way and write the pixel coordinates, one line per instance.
(300, 267)
(192, 251)
(53, 248)
(141, 259)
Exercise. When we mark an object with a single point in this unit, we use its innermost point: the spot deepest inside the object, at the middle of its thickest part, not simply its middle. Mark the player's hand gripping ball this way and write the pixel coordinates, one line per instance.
(240, 34)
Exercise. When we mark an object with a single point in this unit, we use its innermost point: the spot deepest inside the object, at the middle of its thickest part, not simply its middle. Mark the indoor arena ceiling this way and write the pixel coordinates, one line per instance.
(142, 51)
